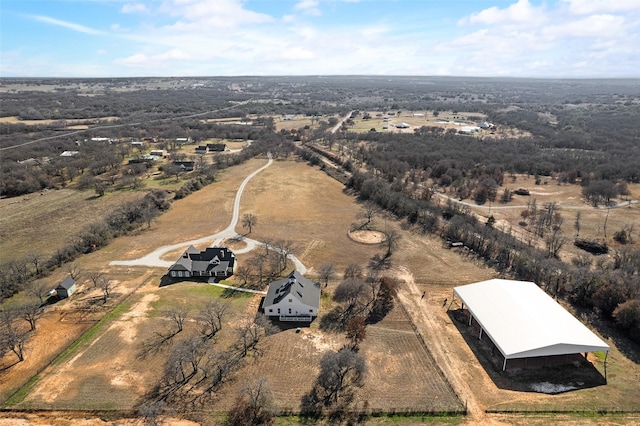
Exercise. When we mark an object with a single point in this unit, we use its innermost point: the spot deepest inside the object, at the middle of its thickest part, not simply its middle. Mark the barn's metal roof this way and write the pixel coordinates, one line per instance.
(523, 321)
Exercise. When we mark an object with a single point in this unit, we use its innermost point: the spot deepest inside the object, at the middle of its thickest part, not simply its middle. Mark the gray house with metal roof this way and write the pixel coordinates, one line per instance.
(66, 288)
(217, 262)
(294, 298)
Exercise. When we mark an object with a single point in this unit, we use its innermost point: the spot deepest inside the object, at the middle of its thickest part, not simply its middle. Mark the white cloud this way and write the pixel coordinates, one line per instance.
(585, 7)
(597, 26)
(134, 8)
(226, 37)
(310, 7)
(520, 12)
(69, 25)
(161, 60)
(211, 15)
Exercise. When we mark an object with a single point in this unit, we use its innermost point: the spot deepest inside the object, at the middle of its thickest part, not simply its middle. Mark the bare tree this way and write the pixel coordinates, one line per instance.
(211, 317)
(12, 336)
(249, 220)
(340, 374)
(148, 214)
(95, 277)
(576, 224)
(74, 271)
(31, 312)
(39, 289)
(369, 210)
(284, 248)
(106, 286)
(326, 271)
(184, 362)
(554, 242)
(250, 332)
(178, 317)
(391, 241)
(352, 270)
(258, 262)
(244, 272)
(37, 260)
(253, 406)
(354, 297)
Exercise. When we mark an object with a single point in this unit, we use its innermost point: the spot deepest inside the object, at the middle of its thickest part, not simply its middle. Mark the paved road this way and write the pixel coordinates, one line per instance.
(154, 259)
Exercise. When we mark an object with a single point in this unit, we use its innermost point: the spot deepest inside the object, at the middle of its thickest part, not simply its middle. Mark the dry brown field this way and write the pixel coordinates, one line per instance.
(72, 121)
(303, 205)
(42, 222)
(297, 122)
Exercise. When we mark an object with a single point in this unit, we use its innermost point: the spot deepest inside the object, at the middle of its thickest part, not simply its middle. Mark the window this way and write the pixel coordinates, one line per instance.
(311, 310)
(290, 300)
(278, 310)
(173, 273)
(179, 273)
(186, 273)
(270, 310)
(289, 311)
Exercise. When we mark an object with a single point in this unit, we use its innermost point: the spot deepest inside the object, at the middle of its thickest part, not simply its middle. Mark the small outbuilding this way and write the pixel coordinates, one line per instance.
(524, 322)
(294, 298)
(66, 288)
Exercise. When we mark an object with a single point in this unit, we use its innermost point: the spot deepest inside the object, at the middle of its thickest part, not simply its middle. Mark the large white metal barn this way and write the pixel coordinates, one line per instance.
(524, 322)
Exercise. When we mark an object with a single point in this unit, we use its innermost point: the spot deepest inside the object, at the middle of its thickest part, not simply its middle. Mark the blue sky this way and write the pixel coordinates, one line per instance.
(129, 38)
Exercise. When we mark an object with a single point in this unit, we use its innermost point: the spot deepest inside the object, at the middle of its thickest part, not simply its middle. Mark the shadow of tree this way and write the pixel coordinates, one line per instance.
(331, 321)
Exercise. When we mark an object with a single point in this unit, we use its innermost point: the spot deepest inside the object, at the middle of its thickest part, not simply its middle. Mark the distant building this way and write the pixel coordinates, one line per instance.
(157, 152)
(469, 130)
(213, 147)
(183, 140)
(69, 153)
(202, 149)
(288, 117)
(186, 166)
(485, 125)
(402, 125)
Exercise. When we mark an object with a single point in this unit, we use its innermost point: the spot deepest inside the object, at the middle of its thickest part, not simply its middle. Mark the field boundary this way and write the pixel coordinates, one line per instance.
(431, 357)
(18, 396)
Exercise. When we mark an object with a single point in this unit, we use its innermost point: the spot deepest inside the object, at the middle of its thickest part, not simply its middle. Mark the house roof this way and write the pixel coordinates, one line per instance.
(523, 321)
(295, 285)
(66, 284)
(212, 258)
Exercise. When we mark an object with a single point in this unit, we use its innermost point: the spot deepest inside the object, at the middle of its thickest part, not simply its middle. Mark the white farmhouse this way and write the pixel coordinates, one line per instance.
(294, 298)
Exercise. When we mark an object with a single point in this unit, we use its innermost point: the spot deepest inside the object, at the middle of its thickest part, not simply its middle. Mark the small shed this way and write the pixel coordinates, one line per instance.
(66, 288)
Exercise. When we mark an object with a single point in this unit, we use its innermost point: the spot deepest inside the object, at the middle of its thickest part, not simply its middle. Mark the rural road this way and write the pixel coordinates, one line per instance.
(524, 206)
(337, 126)
(154, 259)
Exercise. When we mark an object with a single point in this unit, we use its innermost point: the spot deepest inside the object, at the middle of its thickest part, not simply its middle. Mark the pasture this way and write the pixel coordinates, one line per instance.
(303, 205)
